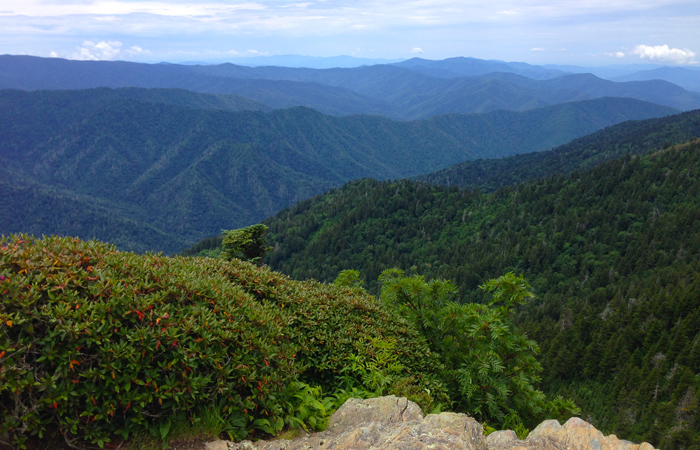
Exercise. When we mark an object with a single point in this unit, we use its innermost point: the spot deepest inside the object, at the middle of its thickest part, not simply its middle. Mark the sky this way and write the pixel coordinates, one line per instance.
(581, 32)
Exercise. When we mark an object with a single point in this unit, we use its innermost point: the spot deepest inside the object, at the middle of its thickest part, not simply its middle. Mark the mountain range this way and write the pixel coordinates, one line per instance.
(174, 166)
(408, 90)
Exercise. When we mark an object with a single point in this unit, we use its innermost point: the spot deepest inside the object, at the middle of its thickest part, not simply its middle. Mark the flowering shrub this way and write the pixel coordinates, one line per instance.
(96, 343)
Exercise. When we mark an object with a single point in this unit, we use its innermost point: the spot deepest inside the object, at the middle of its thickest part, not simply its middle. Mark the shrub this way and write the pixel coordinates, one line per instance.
(96, 342)
(330, 324)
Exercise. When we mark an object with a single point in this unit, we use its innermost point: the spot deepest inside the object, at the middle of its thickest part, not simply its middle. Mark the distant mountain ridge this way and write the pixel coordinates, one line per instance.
(684, 77)
(189, 168)
(469, 67)
(633, 137)
(401, 92)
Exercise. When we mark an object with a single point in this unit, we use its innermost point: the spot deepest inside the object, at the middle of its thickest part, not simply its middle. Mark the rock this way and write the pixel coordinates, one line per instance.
(575, 434)
(385, 423)
(499, 439)
(385, 410)
(613, 443)
(581, 435)
(216, 445)
(551, 429)
(392, 423)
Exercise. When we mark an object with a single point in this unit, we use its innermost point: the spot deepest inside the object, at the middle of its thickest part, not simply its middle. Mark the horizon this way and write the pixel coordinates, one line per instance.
(588, 33)
(295, 61)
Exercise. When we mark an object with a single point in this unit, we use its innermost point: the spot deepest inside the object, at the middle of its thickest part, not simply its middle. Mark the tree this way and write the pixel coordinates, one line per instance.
(490, 366)
(248, 244)
(349, 278)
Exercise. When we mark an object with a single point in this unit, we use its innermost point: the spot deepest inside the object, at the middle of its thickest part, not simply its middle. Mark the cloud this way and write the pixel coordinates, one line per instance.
(537, 49)
(616, 55)
(663, 53)
(104, 51)
(255, 52)
(96, 52)
(53, 55)
(136, 50)
(417, 50)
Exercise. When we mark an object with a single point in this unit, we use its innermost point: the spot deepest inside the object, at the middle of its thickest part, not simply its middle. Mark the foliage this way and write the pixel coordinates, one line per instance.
(97, 342)
(611, 253)
(490, 366)
(374, 368)
(349, 278)
(307, 408)
(100, 345)
(248, 244)
(331, 324)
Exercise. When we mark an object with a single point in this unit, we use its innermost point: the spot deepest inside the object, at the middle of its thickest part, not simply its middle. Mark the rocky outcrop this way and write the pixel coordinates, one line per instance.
(392, 423)
(575, 434)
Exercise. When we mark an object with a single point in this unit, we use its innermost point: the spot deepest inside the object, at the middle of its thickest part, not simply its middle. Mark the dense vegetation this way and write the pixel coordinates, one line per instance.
(97, 343)
(100, 345)
(161, 169)
(407, 91)
(612, 255)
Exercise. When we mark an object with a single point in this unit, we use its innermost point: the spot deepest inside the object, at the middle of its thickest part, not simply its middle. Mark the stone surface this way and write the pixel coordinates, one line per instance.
(385, 423)
(390, 409)
(216, 445)
(502, 439)
(392, 423)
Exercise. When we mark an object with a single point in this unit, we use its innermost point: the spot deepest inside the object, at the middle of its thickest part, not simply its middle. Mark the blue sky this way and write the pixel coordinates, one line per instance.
(584, 32)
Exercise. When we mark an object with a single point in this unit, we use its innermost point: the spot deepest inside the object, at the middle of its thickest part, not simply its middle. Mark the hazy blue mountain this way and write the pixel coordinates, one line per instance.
(608, 72)
(684, 77)
(189, 172)
(469, 67)
(388, 90)
(311, 62)
(582, 86)
(413, 94)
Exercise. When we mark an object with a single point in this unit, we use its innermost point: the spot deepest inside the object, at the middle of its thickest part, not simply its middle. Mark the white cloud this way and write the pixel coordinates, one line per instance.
(255, 52)
(53, 55)
(136, 50)
(417, 50)
(104, 51)
(537, 49)
(663, 53)
(616, 55)
(95, 52)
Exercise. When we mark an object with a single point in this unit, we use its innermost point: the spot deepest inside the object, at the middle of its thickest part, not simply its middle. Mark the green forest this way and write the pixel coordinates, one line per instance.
(160, 169)
(611, 253)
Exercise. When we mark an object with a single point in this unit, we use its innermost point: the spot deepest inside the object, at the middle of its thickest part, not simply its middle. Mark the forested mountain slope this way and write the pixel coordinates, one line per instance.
(389, 90)
(612, 254)
(632, 137)
(136, 156)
